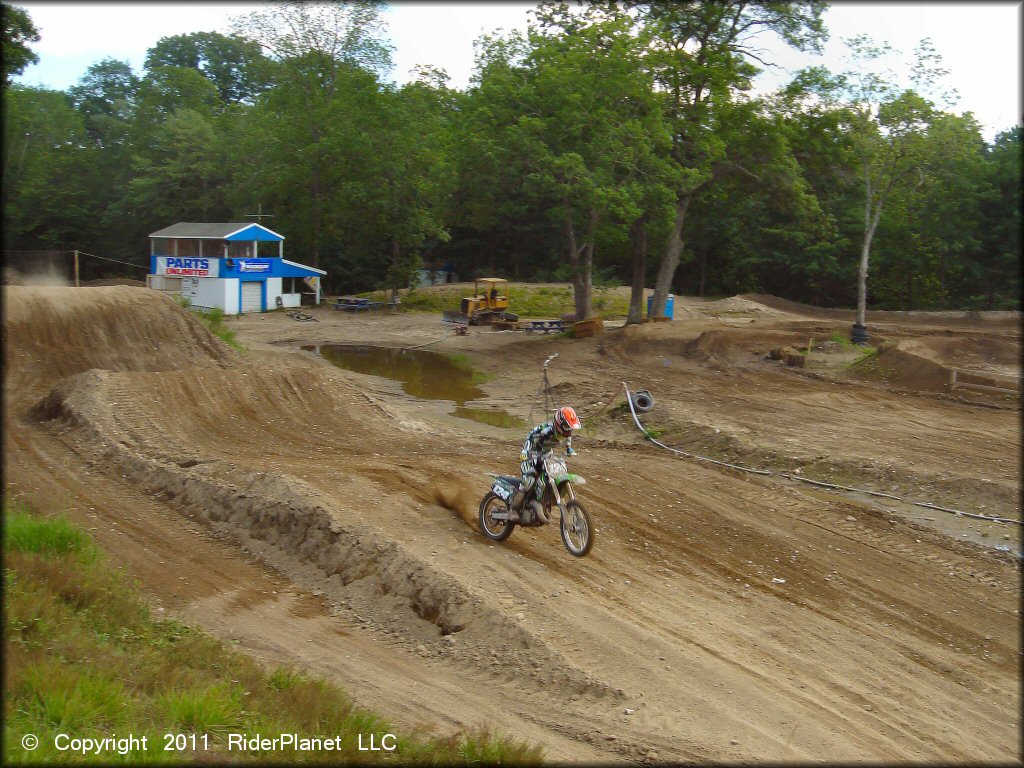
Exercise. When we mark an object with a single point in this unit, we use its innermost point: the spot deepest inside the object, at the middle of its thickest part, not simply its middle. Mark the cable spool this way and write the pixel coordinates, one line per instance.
(642, 401)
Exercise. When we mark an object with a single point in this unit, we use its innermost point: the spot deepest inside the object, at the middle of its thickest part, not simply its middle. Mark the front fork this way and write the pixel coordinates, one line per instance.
(558, 498)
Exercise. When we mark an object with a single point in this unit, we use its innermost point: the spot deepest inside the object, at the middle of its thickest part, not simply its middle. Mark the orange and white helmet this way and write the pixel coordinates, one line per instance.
(566, 421)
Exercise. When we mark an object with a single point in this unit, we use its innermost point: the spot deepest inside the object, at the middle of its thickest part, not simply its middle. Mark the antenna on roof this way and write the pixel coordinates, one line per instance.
(261, 215)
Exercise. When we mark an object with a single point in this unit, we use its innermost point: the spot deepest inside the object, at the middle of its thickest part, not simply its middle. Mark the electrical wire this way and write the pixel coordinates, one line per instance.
(117, 261)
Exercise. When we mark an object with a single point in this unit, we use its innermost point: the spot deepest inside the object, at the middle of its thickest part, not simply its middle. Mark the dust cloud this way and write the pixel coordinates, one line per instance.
(47, 276)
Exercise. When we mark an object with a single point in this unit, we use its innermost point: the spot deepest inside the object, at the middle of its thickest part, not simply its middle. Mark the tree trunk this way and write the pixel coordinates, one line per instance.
(582, 258)
(670, 260)
(862, 272)
(638, 236)
(396, 255)
(703, 264)
(315, 195)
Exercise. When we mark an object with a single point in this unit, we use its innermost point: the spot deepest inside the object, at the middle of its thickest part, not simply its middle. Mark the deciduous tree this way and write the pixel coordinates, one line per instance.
(18, 32)
(236, 66)
(701, 54)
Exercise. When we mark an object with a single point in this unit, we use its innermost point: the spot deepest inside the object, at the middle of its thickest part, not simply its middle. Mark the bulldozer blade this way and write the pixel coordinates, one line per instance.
(451, 316)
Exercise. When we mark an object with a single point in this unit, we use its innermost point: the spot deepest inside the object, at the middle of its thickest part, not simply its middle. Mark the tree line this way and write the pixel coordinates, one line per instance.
(612, 142)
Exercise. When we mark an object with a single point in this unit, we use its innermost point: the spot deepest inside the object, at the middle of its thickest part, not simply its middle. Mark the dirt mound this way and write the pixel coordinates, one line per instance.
(733, 346)
(999, 356)
(167, 414)
(899, 368)
(926, 365)
(795, 307)
(748, 305)
(715, 346)
(52, 333)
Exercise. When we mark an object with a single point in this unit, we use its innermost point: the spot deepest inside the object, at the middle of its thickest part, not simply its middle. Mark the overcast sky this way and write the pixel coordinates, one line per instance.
(979, 42)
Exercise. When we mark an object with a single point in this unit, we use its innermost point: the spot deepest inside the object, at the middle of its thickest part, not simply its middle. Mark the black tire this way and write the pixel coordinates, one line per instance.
(495, 530)
(643, 401)
(511, 317)
(577, 530)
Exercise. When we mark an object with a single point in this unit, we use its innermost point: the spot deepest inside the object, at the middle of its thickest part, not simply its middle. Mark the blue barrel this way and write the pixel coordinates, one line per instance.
(669, 305)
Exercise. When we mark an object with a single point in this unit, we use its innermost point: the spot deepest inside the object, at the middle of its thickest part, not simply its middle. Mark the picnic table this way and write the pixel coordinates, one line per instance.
(360, 304)
(543, 326)
(352, 303)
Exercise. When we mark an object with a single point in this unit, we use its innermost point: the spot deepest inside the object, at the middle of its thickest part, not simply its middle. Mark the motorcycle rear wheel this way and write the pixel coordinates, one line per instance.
(577, 530)
(495, 530)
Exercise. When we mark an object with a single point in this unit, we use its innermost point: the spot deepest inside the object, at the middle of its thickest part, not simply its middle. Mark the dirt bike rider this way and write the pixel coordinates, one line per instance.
(542, 439)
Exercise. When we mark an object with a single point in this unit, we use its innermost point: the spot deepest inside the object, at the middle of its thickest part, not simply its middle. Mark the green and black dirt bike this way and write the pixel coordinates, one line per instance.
(554, 488)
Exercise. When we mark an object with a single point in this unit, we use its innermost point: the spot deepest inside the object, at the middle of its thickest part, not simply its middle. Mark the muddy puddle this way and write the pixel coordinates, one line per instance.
(422, 374)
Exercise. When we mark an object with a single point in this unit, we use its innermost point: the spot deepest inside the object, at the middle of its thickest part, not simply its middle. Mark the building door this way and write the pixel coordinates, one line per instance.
(252, 296)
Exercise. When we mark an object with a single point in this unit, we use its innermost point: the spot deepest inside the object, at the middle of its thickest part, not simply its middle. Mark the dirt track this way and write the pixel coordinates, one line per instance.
(325, 518)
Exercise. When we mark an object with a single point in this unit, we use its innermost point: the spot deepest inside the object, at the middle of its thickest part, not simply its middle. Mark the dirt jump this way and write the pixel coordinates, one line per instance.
(771, 590)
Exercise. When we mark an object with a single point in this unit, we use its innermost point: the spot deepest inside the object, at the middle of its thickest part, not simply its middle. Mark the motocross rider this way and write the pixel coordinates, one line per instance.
(543, 438)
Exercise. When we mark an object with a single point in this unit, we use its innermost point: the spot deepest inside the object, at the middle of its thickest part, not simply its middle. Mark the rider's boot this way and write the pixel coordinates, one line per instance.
(515, 505)
(538, 512)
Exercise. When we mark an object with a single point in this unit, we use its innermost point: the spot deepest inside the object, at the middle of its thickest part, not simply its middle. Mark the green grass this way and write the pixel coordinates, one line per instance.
(866, 354)
(868, 366)
(526, 301)
(213, 319)
(85, 657)
(842, 340)
(49, 537)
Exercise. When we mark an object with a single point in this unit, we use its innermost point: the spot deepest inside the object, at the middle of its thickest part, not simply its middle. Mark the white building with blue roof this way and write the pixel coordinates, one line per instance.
(236, 267)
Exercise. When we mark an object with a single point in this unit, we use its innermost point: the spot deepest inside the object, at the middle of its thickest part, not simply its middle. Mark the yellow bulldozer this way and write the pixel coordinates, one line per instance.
(488, 304)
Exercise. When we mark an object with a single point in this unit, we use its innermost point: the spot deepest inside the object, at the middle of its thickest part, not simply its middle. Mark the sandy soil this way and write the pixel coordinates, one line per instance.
(326, 519)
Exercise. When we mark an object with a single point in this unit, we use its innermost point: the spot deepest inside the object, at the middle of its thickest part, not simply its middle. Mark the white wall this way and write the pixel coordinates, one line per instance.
(232, 301)
(208, 293)
(164, 283)
(275, 286)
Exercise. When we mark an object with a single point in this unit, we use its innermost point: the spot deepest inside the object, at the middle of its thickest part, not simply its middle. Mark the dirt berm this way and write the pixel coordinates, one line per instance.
(323, 518)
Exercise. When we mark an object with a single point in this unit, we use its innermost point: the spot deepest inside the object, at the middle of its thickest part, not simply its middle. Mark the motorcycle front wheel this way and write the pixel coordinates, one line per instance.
(577, 531)
(495, 530)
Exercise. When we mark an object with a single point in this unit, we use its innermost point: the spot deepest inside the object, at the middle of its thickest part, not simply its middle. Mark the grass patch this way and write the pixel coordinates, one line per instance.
(47, 537)
(868, 366)
(85, 657)
(213, 319)
(540, 301)
(866, 354)
(842, 340)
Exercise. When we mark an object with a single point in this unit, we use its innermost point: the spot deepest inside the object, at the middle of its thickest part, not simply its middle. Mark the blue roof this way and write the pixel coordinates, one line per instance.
(255, 232)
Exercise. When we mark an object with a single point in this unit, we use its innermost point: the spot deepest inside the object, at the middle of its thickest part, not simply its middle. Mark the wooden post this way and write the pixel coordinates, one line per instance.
(76, 269)
(952, 379)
